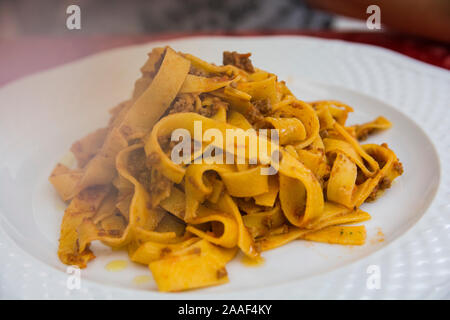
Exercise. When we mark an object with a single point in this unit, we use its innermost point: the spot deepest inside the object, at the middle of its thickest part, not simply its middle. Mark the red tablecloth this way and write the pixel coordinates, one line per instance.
(23, 56)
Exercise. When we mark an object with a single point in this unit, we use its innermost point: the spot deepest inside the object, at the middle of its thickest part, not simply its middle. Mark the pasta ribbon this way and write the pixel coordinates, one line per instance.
(203, 262)
(196, 84)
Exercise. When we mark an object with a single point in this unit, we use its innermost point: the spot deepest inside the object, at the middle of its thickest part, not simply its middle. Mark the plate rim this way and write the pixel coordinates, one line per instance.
(175, 38)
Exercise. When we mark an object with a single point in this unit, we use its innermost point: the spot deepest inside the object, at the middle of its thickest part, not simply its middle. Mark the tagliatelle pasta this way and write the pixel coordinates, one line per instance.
(204, 161)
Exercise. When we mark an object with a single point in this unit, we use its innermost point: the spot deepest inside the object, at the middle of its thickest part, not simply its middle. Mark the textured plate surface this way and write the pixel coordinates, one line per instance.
(43, 114)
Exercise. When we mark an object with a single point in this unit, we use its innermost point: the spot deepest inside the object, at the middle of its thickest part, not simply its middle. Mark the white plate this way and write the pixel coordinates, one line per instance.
(42, 115)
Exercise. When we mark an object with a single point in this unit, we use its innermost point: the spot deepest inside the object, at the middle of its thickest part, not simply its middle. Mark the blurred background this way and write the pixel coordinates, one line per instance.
(22, 17)
(427, 18)
(34, 36)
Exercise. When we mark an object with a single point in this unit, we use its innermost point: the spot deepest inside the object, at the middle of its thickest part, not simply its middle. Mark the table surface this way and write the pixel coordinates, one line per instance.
(23, 56)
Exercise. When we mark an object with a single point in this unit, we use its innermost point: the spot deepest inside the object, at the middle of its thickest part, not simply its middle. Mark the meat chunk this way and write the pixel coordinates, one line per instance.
(136, 162)
(257, 110)
(253, 115)
(211, 109)
(398, 166)
(240, 60)
(158, 183)
(264, 106)
(166, 143)
(187, 103)
(384, 183)
(184, 103)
